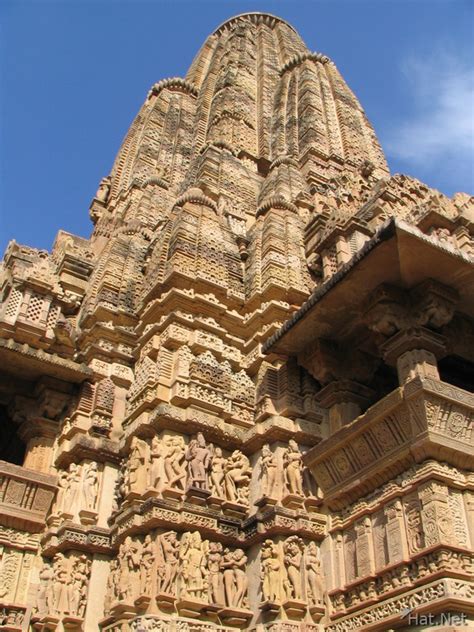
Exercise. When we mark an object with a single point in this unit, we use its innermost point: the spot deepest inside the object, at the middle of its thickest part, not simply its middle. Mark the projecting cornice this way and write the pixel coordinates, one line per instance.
(255, 18)
(302, 57)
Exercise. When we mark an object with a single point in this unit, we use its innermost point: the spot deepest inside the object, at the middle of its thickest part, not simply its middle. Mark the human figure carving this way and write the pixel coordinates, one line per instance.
(77, 586)
(156, 455)
(168, 571)
(90, 485)
(113, 585)
(214, 566)
(63, 484)
(268, 466)
(60, 585)
(198, 457)
(137, 465)
(217, 473)
(45, 602)
(234, 564)
(237, 475)
(146, 566)
(313, 574)
(72, 492)
(293, 557)
(293, 465)
(129, 567)
(173, 462)
(193, 565)
(271, 572)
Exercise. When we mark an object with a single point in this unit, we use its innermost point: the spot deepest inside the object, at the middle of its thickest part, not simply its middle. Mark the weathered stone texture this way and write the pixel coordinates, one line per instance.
(243, 402)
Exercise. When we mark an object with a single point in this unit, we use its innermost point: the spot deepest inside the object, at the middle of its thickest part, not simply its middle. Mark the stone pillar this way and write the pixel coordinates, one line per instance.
(344, 400)
(96, 593)
(395, 530)
(414, 351)
(39, 435)
(436, 515)
(364, 547)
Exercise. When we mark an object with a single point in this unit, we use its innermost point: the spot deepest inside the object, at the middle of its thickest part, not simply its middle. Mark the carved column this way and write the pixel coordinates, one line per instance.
(364, 547)
(395, 529)
(436, 515)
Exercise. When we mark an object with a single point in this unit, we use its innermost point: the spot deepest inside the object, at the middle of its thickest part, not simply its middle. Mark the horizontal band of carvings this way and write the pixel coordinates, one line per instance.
(25, 497)
(188, 420)
(141, 517)
(401, 486)
(19, 540)
(425, 567)
(438, 596)
(401, 429)
(162, 623)
(39, 363)
(78, 538)
(82, 446)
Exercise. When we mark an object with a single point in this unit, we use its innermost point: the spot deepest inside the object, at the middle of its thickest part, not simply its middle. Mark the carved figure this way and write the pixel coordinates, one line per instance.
(113, 585)
(90, 485)
(60, 584)
(146, 566)
(217, 473)
(293, 557)
(45, 601)
(72, 492)
(137, 465)
(235, 578)
(193, 565)
(214, 566)
(293, 464)
(271, 572)
(77, 587)
(313, 575)
(168, 570)
(156, 455)
(198, 457)
(63, 484)
(268, 466)
(129, 566)
(173, 462)
(237, 475)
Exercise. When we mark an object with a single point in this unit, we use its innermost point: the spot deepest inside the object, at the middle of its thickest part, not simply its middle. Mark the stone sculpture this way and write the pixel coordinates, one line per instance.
(198, 457)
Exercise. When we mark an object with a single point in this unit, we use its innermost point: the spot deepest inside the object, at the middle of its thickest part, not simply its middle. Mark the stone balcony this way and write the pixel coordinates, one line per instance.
(426, 418)
(25, 497)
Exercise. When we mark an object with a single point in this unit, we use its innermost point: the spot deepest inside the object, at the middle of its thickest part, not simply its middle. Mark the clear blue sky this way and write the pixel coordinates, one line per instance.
(74, 74)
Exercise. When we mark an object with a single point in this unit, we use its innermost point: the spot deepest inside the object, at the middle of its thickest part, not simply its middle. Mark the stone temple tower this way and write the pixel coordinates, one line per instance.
(244, 402)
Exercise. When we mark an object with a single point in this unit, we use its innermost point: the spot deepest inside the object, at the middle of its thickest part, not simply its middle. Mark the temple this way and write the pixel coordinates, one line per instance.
(244, 403)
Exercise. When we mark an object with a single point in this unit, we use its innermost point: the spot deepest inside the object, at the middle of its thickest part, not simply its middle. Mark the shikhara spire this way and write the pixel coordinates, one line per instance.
(243, 402)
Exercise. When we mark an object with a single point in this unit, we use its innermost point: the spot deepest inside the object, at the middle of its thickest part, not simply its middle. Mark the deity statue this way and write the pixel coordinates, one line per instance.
(293, 466)
(90, 486)
(168, 570)
(293, 558)
(214, 565)
(268, 466)
(146, 566)
(237, 474)
(271, 571)
(173, 462)
(198, 457)
(313, 574)
(193, 565)
(217, 474)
